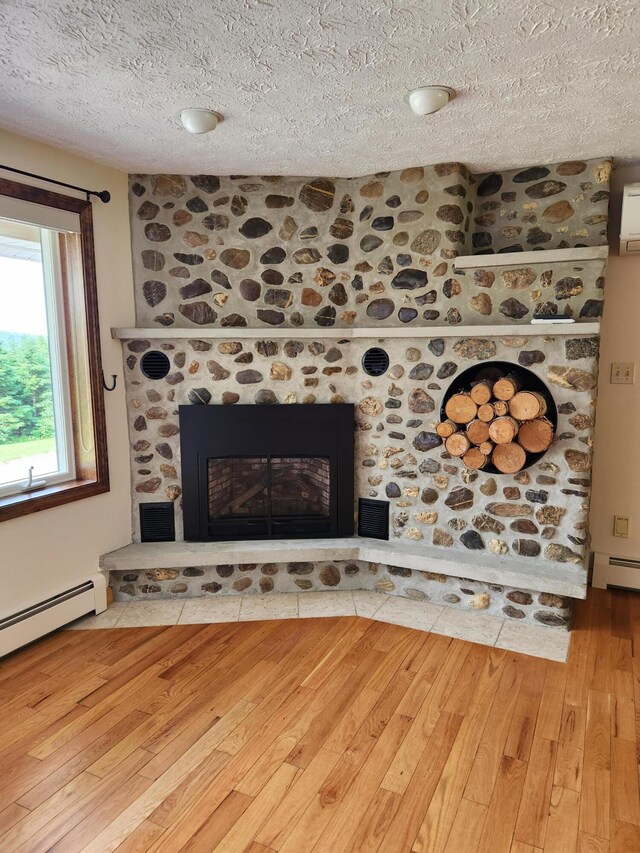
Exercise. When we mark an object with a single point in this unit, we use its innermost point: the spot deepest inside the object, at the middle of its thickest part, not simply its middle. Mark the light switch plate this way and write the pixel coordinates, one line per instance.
(621, 526)
(623, 373)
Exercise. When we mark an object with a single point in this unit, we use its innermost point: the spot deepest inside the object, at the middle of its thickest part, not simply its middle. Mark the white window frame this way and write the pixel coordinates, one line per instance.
(59, 365)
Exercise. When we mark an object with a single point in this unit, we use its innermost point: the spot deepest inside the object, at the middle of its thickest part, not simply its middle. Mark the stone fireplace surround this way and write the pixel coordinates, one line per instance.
(273, 443)
(513, 546)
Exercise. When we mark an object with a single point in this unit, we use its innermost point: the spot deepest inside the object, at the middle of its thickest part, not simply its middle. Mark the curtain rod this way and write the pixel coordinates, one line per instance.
(103, 195)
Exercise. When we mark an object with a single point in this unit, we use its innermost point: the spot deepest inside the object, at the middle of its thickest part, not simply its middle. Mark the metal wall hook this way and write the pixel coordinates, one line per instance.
(114, 382)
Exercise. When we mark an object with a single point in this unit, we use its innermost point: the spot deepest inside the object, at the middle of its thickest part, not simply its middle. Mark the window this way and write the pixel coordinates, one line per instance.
(52, 431)
(36, 436)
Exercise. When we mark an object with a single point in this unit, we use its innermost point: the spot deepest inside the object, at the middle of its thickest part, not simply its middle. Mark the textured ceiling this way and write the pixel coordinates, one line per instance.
(316, 86)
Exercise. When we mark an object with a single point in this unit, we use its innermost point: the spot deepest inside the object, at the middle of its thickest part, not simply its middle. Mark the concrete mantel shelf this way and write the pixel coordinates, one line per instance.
(560, 578)
(544, 256)
(380, 334)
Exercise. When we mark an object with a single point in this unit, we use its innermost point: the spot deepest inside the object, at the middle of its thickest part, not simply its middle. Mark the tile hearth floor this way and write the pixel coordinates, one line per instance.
(543, 642)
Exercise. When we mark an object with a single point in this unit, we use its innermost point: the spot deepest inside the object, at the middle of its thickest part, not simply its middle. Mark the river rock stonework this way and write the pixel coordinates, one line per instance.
(540, 513)
(529, 607)
(339, 252)
(560, 206)
(379, 252)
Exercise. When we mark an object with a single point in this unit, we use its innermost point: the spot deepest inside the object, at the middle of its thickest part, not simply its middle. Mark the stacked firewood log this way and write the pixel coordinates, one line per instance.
(498, 422)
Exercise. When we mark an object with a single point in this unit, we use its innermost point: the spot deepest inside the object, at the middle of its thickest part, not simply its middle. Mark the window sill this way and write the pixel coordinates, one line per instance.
(16, 506)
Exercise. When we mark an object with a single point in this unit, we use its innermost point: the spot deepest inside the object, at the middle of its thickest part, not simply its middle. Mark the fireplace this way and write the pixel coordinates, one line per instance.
(262, 472)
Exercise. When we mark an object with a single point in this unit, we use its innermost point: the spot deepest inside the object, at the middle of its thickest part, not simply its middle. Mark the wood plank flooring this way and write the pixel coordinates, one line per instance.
(322, 735)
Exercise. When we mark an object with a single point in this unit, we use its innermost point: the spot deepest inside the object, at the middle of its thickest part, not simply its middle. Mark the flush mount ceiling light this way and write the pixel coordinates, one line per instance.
(429, 99)
(200, 121)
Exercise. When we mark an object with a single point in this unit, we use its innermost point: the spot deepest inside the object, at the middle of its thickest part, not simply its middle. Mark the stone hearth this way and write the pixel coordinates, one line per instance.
(465, 594)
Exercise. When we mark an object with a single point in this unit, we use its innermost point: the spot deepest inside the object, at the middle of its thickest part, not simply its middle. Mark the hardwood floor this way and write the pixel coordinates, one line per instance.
(337, 734)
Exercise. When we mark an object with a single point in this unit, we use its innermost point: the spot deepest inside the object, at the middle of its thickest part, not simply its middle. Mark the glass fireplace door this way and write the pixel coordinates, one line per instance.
(300, 494)
(238, 495)
(258, 496)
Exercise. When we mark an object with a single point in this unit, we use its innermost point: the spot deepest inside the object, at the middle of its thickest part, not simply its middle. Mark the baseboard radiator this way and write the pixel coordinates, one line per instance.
(26, 625)
(615, 571)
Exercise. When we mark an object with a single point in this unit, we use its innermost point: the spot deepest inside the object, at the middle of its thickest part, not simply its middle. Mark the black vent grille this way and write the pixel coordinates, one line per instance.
(373, 518)
(375, 361)
(154, 364)
(157, 523)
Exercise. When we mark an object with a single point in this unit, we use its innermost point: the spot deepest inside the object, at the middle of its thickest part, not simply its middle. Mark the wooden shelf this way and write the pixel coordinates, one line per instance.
(545, 256)
(239, 333)
(541, 575)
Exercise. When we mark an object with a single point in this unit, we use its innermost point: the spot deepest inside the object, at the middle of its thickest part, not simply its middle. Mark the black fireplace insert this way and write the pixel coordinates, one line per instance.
(269, 471)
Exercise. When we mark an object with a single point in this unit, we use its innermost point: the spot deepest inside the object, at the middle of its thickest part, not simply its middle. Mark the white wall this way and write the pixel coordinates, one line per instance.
(43, 553)
(616, 477)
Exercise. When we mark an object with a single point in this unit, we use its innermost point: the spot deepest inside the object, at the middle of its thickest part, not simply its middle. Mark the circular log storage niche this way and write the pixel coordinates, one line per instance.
(499, 417)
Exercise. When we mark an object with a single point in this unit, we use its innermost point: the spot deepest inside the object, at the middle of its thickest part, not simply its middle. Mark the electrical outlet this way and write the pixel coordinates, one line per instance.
(621, 526)
(623, 373)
